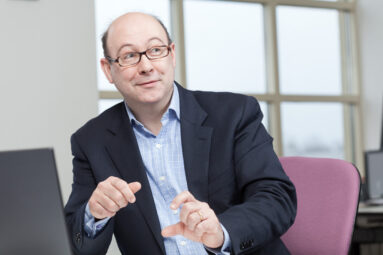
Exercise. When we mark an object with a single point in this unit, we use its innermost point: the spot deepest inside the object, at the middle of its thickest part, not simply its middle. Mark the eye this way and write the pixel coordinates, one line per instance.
(156, 51)
(129, 55)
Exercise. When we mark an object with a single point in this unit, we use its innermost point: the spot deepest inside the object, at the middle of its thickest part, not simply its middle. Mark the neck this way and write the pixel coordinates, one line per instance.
(150, 114)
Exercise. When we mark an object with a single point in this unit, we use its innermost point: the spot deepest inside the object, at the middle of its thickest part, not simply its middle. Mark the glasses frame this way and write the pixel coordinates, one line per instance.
(117, 60)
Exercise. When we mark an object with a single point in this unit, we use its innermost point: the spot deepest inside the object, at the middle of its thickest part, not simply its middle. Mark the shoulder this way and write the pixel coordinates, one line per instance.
(226, 103)
(98, 124)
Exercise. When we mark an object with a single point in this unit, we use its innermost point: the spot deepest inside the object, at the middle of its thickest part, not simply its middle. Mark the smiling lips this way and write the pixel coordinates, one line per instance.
(148, 83)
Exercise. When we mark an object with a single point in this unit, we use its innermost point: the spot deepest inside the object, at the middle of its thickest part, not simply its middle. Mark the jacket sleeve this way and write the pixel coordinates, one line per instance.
(82, 188)
(268, 205)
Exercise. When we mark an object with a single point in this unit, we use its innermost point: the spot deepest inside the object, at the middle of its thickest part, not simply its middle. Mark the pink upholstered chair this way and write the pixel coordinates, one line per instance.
(328, 196)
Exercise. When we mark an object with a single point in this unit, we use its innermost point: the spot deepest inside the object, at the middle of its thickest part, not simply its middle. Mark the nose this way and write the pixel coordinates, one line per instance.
(145, 65)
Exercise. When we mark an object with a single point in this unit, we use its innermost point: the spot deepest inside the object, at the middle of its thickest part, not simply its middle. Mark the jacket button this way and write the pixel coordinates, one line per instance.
(78, 237)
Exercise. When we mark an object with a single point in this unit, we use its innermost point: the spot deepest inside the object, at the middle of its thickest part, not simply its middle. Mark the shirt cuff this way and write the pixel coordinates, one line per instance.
(92, 227)
(226, 247)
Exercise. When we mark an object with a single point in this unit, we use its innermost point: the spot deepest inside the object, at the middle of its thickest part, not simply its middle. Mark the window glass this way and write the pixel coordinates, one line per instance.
(224, 46)
(107, 11)
(309, 50)
(313, 129)
(104, 104)
(265, 121)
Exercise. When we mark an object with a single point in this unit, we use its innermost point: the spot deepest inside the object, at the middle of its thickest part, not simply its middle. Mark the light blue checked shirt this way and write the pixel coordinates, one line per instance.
(164, 163)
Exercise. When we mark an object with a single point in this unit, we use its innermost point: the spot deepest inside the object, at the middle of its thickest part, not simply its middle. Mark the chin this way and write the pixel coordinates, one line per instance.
(150, 100)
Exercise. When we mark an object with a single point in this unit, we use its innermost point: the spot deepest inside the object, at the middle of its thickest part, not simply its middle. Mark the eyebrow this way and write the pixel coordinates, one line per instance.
(130, 45)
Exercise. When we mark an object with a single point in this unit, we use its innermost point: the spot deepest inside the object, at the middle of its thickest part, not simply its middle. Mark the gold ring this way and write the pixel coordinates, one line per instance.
(200, 215)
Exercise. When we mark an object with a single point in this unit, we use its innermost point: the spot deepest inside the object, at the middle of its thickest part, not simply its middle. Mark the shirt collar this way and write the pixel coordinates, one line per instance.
(174, 107)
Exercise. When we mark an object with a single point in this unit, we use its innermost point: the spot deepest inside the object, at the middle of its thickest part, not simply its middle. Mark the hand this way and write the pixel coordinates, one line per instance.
(198, 222)
(111, 195)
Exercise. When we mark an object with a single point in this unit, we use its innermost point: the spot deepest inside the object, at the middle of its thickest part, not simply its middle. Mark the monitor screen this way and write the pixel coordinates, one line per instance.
(374, 173)
(31, 216)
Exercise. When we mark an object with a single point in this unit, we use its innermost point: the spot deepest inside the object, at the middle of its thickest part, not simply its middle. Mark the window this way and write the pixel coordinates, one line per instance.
(298, 58)
(312, 129)
(234, 54)
(309, 51)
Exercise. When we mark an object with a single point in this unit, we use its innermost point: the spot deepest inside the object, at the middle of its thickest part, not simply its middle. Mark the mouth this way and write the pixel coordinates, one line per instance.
(147, 83)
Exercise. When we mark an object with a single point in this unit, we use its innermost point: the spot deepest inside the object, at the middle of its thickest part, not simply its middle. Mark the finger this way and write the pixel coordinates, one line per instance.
(192, 221)
(130, 190)
(203, 213)
(202, 228)
(98, 211)
(126, 190)
(210, 233)
(113, 193)
(188, 209)
(106, 202)
(173, 230)
(208, 217)
(135, 186)
(123, 188)
(105, 211)
(181, 198)
(197, 212)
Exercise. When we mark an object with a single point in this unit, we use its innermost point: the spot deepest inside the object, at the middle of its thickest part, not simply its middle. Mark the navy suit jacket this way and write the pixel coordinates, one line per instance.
(229, 163)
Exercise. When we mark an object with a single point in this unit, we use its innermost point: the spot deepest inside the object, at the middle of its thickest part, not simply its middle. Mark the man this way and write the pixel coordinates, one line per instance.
(171, 171)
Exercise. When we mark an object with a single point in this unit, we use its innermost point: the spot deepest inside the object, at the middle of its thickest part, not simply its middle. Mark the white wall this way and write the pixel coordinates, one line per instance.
(371, 55)
(48, 78)
(48, 86)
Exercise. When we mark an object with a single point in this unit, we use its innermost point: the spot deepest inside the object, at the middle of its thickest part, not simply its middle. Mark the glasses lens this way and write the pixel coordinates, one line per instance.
(130, 58)
(157, 52)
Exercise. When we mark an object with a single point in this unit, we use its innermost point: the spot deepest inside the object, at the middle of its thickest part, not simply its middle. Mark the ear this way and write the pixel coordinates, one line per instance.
(173, 47)
(105, 66)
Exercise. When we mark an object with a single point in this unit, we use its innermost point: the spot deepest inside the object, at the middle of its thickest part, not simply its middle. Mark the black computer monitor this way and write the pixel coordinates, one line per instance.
(31, 216)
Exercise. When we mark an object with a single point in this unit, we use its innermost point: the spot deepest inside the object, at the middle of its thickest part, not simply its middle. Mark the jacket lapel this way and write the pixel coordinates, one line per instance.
(123, 150)
(196, 140)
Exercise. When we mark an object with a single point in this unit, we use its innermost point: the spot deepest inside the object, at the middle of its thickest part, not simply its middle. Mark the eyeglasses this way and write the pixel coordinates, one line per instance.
(133, 58)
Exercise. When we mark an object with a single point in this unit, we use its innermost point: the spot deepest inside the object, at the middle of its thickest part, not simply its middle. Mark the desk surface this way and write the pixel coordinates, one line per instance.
(370, 209)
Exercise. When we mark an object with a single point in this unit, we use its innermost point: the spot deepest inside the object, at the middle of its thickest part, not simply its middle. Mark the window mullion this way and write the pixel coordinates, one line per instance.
(357, 90)
(347, 128)
(272, 75)
(178, 34)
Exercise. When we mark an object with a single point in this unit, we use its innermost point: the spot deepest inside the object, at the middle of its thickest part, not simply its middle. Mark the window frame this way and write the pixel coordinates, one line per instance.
(351, 85)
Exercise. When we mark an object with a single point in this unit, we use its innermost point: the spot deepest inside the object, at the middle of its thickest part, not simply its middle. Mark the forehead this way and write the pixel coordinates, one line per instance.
(136, 30)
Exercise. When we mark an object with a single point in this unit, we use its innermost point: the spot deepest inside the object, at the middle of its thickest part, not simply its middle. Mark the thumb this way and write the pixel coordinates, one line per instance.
(173, 230)
(135, 186)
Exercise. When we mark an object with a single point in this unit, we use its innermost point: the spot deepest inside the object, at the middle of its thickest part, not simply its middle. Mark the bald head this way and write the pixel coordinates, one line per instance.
(133, 19)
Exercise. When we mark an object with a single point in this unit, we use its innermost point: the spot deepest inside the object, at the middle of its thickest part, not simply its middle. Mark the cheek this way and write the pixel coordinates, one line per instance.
(166, 69)
(124, 76)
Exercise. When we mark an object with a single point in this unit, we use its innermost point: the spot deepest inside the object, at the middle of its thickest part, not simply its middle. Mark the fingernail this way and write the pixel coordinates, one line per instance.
(173, 206)
(132, 200)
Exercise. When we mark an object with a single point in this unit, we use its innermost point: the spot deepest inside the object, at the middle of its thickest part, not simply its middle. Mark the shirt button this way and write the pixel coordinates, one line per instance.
(182, 243)
(162, 178)
(158, 146)
(175, 211)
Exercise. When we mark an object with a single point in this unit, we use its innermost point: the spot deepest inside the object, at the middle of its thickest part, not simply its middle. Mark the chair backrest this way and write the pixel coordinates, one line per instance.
(328, 196)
